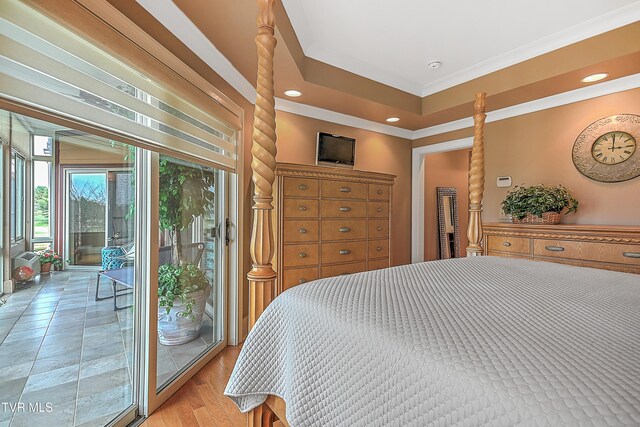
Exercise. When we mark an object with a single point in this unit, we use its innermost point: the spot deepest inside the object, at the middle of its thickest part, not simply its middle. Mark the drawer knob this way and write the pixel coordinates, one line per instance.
(302, 230)
(379, 191)
(345, 252)
(302, 208)
(345, 229)
(302, 255)
(379, 210)
(554, 248)
(302, 187)
(345, 209)
(301, 281)
(345, 190)
(631, 254)
(507, 244)
(379, 228)
(379, 248)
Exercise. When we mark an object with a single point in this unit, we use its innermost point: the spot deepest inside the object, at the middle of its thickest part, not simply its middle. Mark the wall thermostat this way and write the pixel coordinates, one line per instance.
(504, 181)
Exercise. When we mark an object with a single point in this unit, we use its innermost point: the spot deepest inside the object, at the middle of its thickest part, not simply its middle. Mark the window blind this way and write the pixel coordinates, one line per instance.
(44, 65)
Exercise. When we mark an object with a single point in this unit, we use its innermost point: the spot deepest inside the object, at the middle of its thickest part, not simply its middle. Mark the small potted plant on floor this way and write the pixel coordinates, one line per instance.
(539, 204)
(48, 259)
(183, 288)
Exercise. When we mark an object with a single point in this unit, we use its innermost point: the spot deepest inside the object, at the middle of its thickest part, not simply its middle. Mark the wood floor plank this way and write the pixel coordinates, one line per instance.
(204, 417)
(214, 407)
(201, 401)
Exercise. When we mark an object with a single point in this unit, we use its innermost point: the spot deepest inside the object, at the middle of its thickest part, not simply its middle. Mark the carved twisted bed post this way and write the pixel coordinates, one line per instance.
(263, 164)
(476, 178)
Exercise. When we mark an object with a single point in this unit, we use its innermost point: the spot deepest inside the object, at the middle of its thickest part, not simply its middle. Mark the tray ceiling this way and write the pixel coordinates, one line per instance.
(392, 42)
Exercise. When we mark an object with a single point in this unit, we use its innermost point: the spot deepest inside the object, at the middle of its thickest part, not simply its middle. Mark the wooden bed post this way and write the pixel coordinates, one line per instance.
(263, 164)
(476, 178)
(262, 276)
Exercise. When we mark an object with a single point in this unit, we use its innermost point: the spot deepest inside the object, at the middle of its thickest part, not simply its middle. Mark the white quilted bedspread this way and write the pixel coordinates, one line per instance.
(466, 342)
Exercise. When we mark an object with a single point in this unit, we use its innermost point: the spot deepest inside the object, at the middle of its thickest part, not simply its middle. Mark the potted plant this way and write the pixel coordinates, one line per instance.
(49, 258)
(539, 204)
(183, 288)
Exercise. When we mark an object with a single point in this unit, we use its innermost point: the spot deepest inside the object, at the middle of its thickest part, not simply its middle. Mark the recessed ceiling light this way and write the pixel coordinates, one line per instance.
(393, 119)
(434, 64)
(293, 93)
(594, 77)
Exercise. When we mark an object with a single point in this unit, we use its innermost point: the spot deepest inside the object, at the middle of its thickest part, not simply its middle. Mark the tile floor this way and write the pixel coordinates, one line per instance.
(70, 356)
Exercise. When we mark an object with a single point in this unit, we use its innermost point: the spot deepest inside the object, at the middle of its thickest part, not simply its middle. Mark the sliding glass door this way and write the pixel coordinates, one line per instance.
(192, 265)
(98, 215)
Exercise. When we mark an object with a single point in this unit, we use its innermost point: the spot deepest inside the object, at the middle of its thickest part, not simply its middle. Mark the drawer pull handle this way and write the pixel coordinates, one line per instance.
(379, 228)
(301, 281)
(379, 210)
(345, 229)
(302, 255)
(345, 209)
(345, 252)
(631, 254)
(379, 248)
(507, 244)
(302, 230)
(379, 191)
(345, 190)
(302, 208)
(554, 248)
(302, 187)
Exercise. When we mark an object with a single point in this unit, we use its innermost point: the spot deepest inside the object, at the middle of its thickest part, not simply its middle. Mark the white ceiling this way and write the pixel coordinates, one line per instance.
(392, 41)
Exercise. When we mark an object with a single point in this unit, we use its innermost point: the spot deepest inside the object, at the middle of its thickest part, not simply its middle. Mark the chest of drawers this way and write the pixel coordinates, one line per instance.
(329, 222)
(606, 247)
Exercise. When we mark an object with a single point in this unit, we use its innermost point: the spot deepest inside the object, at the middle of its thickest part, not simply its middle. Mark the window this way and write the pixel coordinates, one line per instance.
(16, 221)
(41, 190)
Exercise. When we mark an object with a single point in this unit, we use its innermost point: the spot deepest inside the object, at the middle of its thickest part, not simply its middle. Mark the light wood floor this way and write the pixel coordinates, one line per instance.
(201, 402)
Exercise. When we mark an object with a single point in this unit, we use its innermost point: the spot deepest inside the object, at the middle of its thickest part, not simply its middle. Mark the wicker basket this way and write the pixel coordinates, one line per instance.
(547, 218)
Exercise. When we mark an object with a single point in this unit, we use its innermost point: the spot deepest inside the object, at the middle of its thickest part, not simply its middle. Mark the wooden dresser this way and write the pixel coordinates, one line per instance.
(329, 222)
(606, 247)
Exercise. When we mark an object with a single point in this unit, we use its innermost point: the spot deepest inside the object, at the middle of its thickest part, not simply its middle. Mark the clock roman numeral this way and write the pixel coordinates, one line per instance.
(599, 155)
(627, 152)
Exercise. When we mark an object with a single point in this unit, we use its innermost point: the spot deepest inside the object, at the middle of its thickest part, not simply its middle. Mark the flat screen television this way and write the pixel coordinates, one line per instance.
(335, 150)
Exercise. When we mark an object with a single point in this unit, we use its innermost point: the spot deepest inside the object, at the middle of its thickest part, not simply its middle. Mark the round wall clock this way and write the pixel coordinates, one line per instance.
(607, 150)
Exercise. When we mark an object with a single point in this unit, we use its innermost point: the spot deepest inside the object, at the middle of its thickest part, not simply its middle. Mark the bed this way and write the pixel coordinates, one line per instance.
(473, 341)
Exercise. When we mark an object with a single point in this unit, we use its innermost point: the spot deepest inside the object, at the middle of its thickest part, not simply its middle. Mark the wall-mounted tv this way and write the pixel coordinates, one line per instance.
(335, 150)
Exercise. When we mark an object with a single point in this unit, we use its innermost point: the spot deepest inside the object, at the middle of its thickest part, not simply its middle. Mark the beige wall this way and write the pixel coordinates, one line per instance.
(536, 148)
(374, 152)
(449, 169)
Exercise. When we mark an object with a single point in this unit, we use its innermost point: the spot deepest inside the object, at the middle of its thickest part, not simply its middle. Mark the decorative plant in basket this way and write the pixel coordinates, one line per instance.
(49, 258)
(539, 204)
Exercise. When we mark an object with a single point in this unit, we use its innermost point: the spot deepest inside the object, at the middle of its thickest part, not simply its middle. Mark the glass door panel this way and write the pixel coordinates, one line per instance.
(190, 260)
(87, 217)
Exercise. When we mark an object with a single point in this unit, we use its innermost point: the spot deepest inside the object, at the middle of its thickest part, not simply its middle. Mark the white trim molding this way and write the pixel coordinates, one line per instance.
(591, 28)
(339, 118)
(565, 98)
(169, 15)
(418, 189)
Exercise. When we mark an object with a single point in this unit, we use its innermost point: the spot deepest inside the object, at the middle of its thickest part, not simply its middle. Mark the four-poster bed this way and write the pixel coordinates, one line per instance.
(410, 337)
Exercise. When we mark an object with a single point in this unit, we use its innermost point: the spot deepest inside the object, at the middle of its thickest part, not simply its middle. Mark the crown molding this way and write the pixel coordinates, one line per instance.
(170, 15)
(565, 98)
(339, 118)
(607, 22)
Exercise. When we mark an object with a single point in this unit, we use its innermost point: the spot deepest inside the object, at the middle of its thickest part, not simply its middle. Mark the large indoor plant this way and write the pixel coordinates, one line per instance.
(183, 288)
(539, 204)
